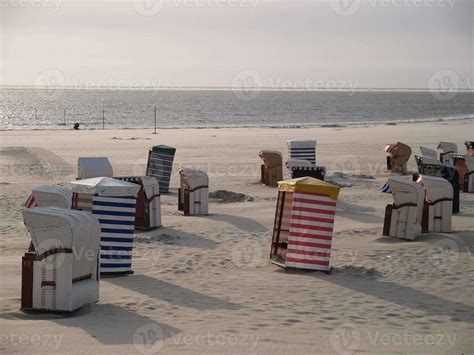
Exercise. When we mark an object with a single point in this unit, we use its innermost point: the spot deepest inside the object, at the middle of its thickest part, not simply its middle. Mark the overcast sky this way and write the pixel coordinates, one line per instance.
(203, 43)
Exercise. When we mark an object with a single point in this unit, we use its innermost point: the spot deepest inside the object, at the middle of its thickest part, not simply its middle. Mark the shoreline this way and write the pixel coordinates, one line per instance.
(444, 121)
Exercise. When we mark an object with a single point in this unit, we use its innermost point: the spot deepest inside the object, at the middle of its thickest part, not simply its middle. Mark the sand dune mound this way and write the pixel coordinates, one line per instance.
(225, 196)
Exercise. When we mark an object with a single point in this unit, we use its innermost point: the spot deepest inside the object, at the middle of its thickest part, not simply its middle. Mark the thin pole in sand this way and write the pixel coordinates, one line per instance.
(65, 120)
(36, 113)
(155, 121)
(103, 118)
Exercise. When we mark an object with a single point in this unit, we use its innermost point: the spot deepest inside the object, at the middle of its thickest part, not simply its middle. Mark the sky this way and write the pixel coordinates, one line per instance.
(222, 43)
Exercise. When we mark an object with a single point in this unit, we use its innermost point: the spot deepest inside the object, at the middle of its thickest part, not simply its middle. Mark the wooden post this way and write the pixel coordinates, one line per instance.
(103, 118)
(36, 113)
(155, 121)
(65, 120)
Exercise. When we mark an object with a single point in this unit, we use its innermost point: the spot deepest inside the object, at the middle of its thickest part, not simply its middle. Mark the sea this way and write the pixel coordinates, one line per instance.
(27, 109)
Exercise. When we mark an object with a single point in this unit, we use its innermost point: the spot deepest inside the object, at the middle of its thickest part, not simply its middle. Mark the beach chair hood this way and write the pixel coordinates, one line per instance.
(195, 178)
(105, 186)
(427, 152)
(405, 191)
(437, 188)
(271, 157)
(448, 147)
(90, 167)
(310, 185)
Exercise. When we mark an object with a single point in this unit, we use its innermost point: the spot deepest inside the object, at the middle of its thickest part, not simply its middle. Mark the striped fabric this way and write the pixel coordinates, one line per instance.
(390, 148)
(386, 188)
(304, 150)
(311, 229)
(116, 216)
(160, 166)
(30, 202)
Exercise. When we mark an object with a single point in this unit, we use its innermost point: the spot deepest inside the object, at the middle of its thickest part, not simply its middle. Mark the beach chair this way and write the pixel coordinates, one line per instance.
(447, 148)
(52, 196)
(148, 208)
(299, 168)
(469, 176)
(433, 167)
(403, 217)
(457, 161)
(113, 202)
(91, 167)
(59, 271)
(304, 223)
(439, 200)
(160, 165)
(193, 194)
(399, 155)
(427, 152)
(469, 148)
(304, 149)
(271, 170)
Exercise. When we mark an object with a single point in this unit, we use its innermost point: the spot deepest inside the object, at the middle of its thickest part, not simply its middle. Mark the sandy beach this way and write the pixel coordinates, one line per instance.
(205, 284)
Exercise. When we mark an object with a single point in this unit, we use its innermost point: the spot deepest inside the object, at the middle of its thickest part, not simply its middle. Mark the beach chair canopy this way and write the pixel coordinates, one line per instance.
(298, 163)
(405, 191)
(428, 160)
(271, 157)
(398, 148)
(195, 178)
(469, 144)
(309, 185)
(427, 152)
(301, 143)
(448, 147)
(162, 148)
(104, 186)
(150, 184)
(436, 187)
(90, 167)
(52, 196)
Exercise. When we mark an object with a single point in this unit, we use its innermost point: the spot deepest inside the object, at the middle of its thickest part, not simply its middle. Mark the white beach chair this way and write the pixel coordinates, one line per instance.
(403, 217)
(448, 148)
(193, 194)
(439, 197)
(59, 272)
(302, 149)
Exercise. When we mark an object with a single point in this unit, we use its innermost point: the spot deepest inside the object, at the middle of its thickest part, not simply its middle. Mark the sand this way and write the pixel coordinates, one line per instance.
(205, 284)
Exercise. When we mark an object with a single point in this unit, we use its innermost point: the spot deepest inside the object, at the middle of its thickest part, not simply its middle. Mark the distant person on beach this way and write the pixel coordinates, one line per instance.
(76, 126)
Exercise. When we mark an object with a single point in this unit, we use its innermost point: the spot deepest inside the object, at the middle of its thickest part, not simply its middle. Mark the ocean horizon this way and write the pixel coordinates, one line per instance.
(26, 108)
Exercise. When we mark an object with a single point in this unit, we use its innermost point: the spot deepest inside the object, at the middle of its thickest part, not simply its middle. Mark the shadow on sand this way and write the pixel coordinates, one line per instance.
(174, 294)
